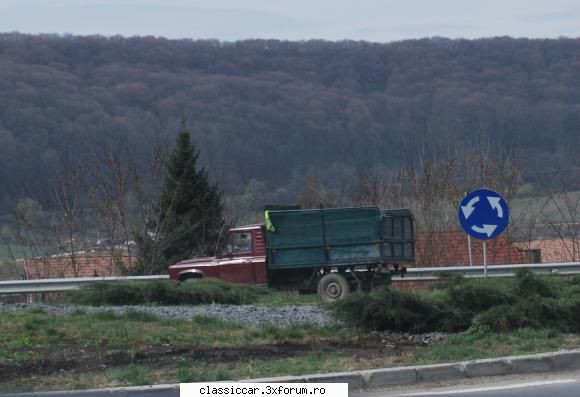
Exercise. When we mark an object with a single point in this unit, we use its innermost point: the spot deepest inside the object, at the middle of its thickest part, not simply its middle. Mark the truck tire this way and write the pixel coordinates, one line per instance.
(332, 287)
(190, 278)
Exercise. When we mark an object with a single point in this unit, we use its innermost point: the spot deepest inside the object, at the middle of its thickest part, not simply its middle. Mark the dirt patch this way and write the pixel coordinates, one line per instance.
(80, 359)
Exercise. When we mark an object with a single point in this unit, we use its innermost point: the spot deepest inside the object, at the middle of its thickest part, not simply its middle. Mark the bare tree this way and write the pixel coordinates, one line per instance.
(109, 184)
(30, 228)
(148, 187)
(434, 185)
(561, 209)
(66, 190)
(54, 236)
(369, 186)
(316, 194)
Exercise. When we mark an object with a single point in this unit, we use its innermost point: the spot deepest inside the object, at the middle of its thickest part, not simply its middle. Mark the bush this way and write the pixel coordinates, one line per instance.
(121, 293)
(573, 310)
(457, 304)
(166, 292)
(535, 313)
(447, 278)
(389, 309)
(529, 285)
(502, 318)
(476, 297)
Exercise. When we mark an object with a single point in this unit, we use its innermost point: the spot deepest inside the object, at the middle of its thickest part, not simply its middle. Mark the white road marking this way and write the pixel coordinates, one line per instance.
(493, 388)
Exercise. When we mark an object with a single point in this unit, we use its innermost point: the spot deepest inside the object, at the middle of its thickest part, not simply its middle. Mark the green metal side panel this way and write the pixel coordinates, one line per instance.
(360, 254)
(353, 235)
(296, 229)
(297, 240)
(296, 257)
(352, 226)
(339, 236)
(311, 238)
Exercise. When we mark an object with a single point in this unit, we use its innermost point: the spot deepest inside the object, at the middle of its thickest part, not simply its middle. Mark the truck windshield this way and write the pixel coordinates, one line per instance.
(237, 243)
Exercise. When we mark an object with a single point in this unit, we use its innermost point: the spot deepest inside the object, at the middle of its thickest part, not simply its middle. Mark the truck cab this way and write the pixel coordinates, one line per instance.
(241, 258)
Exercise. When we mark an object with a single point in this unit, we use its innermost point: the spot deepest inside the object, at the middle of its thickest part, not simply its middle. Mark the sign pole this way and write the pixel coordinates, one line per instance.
(469, 250)
(485, 258)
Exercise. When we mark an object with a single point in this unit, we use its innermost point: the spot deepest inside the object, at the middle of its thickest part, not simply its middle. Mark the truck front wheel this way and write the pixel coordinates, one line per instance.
(333, 286)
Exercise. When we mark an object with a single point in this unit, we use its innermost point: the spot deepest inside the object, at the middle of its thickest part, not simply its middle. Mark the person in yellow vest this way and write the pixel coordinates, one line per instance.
(269, 225)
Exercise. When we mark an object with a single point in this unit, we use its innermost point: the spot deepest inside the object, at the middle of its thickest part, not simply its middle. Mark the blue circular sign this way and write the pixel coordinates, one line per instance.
(483, 214)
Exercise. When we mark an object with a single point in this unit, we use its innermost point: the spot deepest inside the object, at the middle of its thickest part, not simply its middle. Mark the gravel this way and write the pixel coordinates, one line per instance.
(413, 339)
(250, 315)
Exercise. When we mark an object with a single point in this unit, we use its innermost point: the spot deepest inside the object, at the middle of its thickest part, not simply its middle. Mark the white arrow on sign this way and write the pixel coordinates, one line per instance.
(487, 229)
(468, 209)
(494, 202)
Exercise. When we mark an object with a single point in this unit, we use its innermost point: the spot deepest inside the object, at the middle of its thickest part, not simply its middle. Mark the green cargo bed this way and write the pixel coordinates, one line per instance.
(339, 236)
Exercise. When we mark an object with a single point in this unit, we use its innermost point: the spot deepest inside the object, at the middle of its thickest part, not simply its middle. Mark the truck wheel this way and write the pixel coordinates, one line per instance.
(190, 279)
(333, 286)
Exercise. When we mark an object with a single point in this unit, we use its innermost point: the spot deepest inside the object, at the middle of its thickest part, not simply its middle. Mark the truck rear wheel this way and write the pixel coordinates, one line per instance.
(332, 287)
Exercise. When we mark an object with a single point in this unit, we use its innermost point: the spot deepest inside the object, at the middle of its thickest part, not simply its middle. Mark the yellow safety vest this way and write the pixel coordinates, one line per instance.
(269, 225)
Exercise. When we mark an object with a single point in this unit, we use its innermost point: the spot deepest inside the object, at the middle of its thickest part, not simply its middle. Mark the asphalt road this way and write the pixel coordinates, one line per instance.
(552, 385)
(150, 392)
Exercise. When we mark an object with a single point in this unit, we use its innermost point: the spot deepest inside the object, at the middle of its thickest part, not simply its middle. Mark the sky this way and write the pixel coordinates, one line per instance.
(231, 20)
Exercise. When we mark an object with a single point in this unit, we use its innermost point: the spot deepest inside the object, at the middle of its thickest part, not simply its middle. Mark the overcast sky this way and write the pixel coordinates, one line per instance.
(373, 20)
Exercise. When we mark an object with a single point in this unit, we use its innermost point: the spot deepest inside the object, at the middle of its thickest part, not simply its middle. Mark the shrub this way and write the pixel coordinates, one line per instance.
(502, 318)
(447, 279)
(389, 309)
(573, 311)
(121, 293)
(456, 304)
(166, 292)
(529, 284)
(476, 297)
(535, 313)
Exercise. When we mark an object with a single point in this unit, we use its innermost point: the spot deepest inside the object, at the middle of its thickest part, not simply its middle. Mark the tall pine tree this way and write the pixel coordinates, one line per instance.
(190, 211)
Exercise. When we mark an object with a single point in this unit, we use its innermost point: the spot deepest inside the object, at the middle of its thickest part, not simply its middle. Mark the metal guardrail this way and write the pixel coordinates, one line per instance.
(413, 274)
(430, 273)
(62, 284)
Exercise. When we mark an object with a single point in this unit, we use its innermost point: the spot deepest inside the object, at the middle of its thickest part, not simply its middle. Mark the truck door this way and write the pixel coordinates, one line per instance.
(236, 262)
(259, 244)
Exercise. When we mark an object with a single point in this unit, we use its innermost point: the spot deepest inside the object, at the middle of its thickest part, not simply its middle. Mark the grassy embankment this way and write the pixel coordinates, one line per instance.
(42, 352)
(491, 318)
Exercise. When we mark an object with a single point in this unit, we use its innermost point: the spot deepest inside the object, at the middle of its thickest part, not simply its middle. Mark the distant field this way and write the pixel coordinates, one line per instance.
(11, 251)
(547, 210)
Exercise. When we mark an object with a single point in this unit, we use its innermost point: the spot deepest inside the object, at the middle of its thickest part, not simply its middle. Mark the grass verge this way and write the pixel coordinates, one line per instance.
(22, 330)
(42, 352)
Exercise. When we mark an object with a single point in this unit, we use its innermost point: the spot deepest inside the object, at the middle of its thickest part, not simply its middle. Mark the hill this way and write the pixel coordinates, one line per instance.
(271, 111)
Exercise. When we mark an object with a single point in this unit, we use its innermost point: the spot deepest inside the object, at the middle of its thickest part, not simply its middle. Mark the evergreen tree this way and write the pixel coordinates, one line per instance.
(190, 212)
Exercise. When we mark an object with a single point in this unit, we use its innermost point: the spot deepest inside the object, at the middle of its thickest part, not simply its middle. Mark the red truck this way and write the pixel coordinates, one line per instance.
(331, 251)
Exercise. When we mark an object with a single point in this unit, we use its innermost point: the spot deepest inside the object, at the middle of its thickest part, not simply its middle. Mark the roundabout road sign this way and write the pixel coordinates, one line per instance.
(483, 214)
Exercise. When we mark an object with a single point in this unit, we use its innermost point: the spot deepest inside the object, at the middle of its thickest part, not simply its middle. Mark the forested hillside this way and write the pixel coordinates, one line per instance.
(273, 111)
